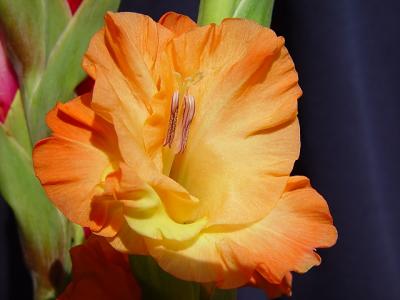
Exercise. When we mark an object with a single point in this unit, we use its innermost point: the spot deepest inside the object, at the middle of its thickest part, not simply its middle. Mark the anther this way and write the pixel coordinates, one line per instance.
(188, 114)
(172, 119)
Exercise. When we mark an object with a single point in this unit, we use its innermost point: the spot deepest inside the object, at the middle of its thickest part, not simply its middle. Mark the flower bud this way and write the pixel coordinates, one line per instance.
(74, 5)
(8, 81)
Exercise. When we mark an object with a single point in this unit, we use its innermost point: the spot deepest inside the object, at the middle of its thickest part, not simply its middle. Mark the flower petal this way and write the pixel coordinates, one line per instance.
(244, 138)
(177, 23)
(76, 121)
(71, 164)
(128, 241)
(135, 42)
(282, 242)
(122, 58)
(146, 215)
(107, 212)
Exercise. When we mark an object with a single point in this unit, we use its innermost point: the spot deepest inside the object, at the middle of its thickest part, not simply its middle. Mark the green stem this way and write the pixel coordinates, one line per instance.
(41, 290)
(214, 11)
(155, 283)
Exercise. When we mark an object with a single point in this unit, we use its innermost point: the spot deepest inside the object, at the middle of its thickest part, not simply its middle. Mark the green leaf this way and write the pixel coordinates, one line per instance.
(45, 233)
(58, 15)
(63, 71)
(46, 46)
(155, 283)
(15, 124)
(214, 11)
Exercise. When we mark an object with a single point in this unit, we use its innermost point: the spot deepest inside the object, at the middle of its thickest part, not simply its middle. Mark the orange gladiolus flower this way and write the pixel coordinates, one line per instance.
(184, 149)
(100, 272)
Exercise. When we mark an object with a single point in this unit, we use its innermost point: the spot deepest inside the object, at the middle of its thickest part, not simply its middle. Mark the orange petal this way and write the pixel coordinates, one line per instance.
(128, 241)
(135, 42)
(177, 23)
(112, 93)
(122, 58)
(244, 136)
(196, 260)
(107, 212)
(71, 164)
(132, 43)
(282, 242)
(239, 180)
(77, 121)
(285, 240)
(112, 96)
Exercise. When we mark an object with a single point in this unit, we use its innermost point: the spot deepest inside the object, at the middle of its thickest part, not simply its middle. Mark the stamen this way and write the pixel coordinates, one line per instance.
(173, 117)
(188, 114)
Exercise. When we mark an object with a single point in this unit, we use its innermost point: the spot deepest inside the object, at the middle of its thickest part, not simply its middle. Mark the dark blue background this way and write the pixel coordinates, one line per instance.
(347, 55)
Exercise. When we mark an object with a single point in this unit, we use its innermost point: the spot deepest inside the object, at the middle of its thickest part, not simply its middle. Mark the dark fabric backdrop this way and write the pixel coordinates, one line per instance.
(346, 53)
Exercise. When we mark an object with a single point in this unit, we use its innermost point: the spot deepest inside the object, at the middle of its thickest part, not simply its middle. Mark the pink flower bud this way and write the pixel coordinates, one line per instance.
(8, 81)
(74, 5)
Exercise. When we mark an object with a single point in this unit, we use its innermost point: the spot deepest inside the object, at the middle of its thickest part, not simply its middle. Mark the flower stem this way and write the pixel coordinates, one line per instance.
(214, 11)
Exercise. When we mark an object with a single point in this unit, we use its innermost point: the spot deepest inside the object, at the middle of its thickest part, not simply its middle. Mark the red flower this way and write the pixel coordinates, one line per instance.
(100, 272)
